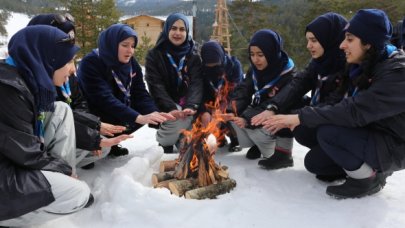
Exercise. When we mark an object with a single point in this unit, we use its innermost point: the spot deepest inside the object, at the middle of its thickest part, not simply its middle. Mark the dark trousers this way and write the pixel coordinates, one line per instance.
(348, 147)
(316, 160)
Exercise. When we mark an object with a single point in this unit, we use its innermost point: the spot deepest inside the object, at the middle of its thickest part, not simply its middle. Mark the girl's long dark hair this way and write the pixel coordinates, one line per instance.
(371, 58)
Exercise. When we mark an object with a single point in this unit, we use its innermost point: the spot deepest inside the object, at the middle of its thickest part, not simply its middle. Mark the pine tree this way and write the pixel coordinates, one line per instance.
(92, 17)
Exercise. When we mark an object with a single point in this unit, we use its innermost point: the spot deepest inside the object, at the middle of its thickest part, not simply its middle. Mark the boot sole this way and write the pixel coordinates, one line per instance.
(371, 192)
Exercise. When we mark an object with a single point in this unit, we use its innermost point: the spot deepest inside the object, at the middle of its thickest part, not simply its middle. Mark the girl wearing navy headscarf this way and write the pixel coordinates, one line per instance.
(91, 146)
(271, 69)
(322, 76)
(221, 74)
(364, 134)
(38, 140)
(173, 74)
(112, 81)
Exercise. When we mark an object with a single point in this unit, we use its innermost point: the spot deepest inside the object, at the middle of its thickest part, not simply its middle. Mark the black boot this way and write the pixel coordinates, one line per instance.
(167, 149)
(90, 201)
(357, 188)
(234, 145)
(117, 151)
(88, 166)
(331, 178)
(277, 161)
(253, 153)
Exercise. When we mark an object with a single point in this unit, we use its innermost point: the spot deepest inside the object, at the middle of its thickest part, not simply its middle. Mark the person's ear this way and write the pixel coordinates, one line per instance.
(367, 46)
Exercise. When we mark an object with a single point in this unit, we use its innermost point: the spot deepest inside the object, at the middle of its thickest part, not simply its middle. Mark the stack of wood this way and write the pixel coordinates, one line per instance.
(189, 187)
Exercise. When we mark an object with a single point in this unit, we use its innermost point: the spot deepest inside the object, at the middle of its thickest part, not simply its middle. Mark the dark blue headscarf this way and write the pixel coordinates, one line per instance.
(212, 52)
(49, 19)
(164, 42)
(38, 51)
(270, 43)
(328, 30)
(108, 42)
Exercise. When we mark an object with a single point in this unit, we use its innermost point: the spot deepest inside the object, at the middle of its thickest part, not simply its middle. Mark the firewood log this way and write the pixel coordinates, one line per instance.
(167, 166)
(164, 184)
(158, 177)
(179, 187)
(211, 191)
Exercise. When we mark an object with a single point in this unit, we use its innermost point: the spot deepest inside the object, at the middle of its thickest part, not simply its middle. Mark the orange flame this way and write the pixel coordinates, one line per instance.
(200, 132)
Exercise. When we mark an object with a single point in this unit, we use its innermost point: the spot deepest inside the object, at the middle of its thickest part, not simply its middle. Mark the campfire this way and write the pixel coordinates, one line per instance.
(195, 174)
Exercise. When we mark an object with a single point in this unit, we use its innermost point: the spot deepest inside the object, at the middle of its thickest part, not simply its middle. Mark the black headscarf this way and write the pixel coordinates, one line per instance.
(270, 43)
(328, 30)
(38, 51)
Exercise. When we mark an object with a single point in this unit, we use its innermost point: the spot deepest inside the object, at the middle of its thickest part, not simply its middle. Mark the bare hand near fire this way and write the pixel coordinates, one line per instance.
(109, 142)
(258, 119)
(227, 116)
(240, 122)
(110, 130)
(205, 119)
(278, 122)
(97, 153)
(153, 118)
(189, 111)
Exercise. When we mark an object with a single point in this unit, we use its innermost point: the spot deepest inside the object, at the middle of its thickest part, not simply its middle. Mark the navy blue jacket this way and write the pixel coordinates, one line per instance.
(104, 97)
(380, 108)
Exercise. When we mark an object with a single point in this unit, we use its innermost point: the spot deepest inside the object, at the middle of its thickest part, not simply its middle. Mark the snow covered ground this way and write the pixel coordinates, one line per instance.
(289, 197)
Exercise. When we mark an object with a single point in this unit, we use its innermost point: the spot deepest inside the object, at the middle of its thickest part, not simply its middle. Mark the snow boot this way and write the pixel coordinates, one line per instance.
(234, 145)
(88, 166)
(90, 201)
(117, 151)
(331, 178)
(357, 188)
(278, 160)
(253, 153)
(167, 149)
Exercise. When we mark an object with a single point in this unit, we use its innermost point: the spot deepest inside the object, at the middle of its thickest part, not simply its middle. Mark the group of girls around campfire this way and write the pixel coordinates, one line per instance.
(353, 122)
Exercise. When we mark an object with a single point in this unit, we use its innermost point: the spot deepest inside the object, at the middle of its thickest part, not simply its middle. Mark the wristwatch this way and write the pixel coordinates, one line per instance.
(272, 107)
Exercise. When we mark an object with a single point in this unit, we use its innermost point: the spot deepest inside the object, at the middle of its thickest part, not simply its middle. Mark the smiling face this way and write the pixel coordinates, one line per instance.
(353, 48)
(178, 33)
(314, 47)
(61, 75)
(126, 49)
(258, 58)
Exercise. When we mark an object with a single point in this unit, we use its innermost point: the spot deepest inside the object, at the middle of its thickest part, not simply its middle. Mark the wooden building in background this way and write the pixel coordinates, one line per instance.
(151, 26)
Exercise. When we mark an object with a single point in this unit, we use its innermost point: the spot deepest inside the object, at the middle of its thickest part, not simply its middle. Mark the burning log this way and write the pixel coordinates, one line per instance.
(159, 177)
(167, 166)
(211, 191)
(179, 187)
(196, 165)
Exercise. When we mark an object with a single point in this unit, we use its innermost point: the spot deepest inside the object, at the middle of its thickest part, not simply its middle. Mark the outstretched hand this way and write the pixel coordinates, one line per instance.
(278, 122)
(259, 119)
(239, 121)
(154, 118)
(182, 114)
(109, 142)
(110, 130)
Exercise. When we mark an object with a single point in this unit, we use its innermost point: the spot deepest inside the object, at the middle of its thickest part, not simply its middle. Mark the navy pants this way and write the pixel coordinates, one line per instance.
(348, 147)
(316, 160)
